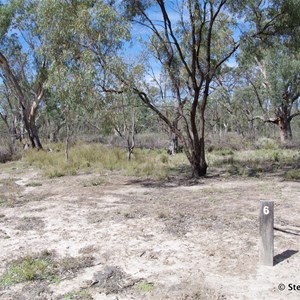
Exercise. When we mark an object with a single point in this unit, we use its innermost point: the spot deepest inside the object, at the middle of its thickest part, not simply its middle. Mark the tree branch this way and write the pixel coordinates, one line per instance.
(293, 116)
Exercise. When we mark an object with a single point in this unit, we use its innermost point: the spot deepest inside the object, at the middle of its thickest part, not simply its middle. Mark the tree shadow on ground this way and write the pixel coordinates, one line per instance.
(181, 176)
(286, 170)
(228, 167)
(168, 183)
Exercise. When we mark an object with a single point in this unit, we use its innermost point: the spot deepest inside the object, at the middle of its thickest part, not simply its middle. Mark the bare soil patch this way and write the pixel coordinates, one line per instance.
(140, 239)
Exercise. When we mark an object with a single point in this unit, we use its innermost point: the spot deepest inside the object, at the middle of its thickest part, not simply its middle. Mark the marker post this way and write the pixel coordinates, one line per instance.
(266, 233)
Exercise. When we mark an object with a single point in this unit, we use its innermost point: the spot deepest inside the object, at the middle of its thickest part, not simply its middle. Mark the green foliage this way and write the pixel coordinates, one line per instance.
(78, 35)
(293, 174)
(268, 89)
(53, 165)
(145, 287)
(3, 201)
(6, 14)
(267, 144)
(29, 269)
(82, 41)
(96, 182)
(155, 164)
(42, 266)
(289, 24)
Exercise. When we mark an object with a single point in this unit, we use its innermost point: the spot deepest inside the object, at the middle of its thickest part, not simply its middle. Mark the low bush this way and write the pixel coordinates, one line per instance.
(145, 287)
(29, 269)
(293, 174)
(10, 150)
(42, 266)
(267, 144)
(5, 154)
(227, 142)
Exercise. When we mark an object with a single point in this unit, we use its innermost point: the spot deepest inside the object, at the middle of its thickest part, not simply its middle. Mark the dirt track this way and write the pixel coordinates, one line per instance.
(149, 240)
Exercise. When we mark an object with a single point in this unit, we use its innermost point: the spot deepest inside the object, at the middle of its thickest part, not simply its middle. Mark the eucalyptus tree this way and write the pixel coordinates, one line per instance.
(271, 67)
(24, 68)
(82, 42)
(69, 88)
(223, 110)
(122, 117)
(192, 41)
(274, 82)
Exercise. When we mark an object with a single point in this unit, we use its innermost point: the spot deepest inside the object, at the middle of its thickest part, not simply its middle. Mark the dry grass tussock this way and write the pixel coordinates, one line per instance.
(157, 164)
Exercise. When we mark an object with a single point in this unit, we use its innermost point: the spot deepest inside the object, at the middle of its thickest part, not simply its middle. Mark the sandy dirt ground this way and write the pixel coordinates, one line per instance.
(140, 239)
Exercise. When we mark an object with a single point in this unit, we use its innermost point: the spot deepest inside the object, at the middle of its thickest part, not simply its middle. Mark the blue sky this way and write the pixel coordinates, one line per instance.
(140, 33)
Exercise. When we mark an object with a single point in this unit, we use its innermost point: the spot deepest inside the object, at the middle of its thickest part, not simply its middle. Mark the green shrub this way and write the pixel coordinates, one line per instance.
(292, 174)
(145, 287)
(164, 158)
(267, 144)
(43, 266)
(28, 269)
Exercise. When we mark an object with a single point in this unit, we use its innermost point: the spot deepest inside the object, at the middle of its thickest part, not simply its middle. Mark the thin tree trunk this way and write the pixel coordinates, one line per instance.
(53, 137)
(130, 139)
(173, 148)
(67, 144)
